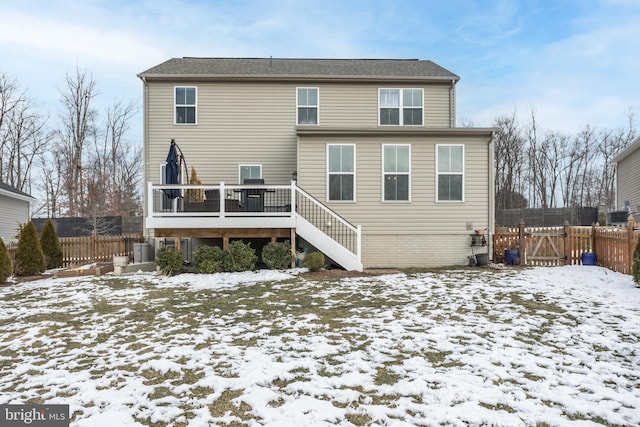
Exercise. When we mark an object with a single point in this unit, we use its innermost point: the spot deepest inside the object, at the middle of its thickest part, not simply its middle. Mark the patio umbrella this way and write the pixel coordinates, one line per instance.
(171, 172)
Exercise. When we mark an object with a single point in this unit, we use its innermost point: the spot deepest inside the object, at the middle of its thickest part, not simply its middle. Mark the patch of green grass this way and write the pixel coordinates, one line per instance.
(200, 392)
(159, 393)
(358, 419)
(578, 416)
(536, 305)
(225, 406)
(385, 376)
(498, 407)
(153, 377)
(436, 358)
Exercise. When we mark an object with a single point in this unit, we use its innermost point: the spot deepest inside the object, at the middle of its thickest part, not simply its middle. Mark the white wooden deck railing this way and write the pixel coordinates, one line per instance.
(253, 206)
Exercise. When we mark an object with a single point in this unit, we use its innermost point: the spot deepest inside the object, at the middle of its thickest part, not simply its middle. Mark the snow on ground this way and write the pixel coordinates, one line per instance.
(540, 346)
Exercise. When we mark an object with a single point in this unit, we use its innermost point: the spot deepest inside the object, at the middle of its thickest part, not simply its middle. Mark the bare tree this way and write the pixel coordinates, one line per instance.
(509, 150)
(125, 159)
(51, 174)
(113, 169)
(78, 127)
(558, 169)
(22, 135)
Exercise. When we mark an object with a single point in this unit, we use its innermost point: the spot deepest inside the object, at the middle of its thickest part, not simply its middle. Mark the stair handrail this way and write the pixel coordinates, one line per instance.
(356, 249)
(354, 228)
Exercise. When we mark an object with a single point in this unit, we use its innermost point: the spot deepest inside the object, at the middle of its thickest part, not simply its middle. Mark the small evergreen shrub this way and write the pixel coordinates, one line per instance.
(636, 264)
(170, 261)
(51, 246)
(239, 256)
(29, 256)
(314, 261)
(277, 255)
(207, 259)
(5, 263)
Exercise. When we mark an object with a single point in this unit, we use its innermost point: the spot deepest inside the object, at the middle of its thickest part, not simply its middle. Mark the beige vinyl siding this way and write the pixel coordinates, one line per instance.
(629, 181)
(356, 105)
(436, 106)
(237, 124)
(253, 123)
(423, 215)
(12, 213)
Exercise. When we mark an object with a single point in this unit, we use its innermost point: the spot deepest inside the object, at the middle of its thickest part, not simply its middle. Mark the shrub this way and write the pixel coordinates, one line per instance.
(170, 261)
(636, 264)
(314, 261)
(239, 256)
(51, 246)
(29, 256)
(5, 263)
(207, 259)
(277, 255)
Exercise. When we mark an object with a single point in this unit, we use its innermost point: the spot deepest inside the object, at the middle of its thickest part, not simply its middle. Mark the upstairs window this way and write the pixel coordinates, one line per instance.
(185, 104)
(400, 107)
(450, 173)
(396, 171)
(307, 100)
(341, 164)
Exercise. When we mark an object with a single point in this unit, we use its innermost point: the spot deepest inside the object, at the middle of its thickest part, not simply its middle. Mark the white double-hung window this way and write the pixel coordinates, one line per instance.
(396, 172)
(307, 101)
(450, 173)
(341, 169)
(400, 107)
(185, 105)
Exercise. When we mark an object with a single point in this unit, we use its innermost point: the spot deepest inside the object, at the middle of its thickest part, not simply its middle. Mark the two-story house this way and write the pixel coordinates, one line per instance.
(358, 158)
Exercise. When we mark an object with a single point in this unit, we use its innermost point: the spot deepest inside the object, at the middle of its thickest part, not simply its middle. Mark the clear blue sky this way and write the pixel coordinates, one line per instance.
(574, 62)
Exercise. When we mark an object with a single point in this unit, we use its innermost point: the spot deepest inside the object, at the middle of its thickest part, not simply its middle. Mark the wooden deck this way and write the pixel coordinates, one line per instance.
(251, 211)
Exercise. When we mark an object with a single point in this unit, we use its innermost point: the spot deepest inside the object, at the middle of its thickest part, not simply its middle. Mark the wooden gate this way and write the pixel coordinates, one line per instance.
(545, 247)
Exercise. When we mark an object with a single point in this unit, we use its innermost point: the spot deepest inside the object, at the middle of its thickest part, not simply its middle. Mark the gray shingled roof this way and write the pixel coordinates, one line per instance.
(11, 189)
(316, 68)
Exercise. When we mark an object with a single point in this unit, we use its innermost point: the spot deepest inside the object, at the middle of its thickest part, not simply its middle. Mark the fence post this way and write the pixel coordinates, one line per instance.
(521, 243)
(93, 246)
(567, 243)
(593, 239)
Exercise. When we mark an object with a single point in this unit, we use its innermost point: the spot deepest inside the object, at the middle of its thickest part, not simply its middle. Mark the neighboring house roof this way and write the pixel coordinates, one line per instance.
(290, 68)
(10, 191)
(635, 145)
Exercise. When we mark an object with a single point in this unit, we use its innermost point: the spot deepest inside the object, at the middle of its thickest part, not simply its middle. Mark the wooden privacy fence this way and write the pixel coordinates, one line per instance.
(84, 250)
(564, 245)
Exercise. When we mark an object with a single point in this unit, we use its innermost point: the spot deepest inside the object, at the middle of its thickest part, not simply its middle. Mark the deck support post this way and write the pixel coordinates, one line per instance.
(293, 247)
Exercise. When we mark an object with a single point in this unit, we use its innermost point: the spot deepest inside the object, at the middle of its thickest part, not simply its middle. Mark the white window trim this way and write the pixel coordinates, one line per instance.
(400, 106)
(340, 173)
(402, 173)
(317, 106)
(175, 106)
(247, 165)
(463, 173)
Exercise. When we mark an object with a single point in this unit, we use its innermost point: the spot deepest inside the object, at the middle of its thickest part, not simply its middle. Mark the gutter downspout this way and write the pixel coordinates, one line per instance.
(452, 104)
(145, 145)
(492, 196)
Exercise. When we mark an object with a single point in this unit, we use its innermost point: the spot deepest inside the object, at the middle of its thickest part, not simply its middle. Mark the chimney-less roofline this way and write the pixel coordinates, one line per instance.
(297, 77)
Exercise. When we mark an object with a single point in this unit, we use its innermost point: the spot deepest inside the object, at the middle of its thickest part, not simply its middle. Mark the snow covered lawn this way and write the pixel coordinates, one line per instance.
(532, 347)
